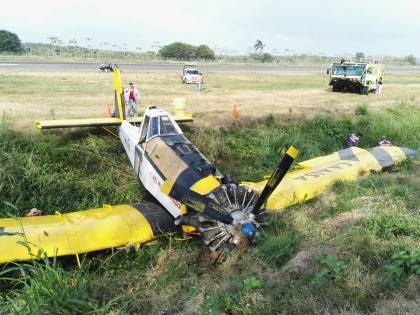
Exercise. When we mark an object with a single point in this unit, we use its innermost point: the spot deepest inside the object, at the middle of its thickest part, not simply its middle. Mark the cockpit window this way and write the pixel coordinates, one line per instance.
(166, 126)
(144, 129)
(153, 128)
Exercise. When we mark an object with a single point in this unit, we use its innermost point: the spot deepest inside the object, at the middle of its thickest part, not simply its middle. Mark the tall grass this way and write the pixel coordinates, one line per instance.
(254, 151)
(69, 171)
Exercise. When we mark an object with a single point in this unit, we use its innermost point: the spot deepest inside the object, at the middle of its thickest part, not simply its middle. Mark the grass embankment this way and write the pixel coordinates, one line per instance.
(355, 249)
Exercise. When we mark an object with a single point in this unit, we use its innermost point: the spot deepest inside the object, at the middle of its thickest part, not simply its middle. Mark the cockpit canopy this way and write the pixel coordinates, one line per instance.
(157, 126)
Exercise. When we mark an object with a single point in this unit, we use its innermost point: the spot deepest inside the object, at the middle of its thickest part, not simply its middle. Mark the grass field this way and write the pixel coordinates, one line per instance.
(27, 96)
(353, 250)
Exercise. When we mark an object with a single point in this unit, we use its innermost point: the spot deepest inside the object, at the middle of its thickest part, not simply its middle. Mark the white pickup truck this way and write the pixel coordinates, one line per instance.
(190, 74)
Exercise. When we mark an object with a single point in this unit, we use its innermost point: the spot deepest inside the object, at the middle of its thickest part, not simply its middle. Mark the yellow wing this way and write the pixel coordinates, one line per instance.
(312, 177)
(81, 232)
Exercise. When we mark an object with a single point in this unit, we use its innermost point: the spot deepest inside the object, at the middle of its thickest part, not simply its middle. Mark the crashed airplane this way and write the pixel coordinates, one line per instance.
(191, 194)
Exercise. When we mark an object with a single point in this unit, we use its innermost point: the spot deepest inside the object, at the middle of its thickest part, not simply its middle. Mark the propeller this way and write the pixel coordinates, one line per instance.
(276, 177)
(196, 201)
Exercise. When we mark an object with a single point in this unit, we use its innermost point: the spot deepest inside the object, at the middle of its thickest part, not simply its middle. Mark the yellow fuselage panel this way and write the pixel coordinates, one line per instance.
(72, 233)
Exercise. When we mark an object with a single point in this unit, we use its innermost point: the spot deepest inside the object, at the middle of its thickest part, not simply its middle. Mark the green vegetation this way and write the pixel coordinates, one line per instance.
(411, 60)
(182, 51)
(9, 42)
(360, 55)
(73, 51)
(355, 249)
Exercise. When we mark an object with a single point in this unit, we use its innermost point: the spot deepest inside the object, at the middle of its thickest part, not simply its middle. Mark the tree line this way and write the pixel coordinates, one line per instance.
(11, 44)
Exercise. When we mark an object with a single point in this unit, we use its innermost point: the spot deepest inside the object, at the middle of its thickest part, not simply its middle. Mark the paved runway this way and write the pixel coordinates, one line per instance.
(89, 67)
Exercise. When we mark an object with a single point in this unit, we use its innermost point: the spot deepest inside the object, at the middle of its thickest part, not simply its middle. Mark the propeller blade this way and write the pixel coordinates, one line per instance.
(276, 177)
(196, 201)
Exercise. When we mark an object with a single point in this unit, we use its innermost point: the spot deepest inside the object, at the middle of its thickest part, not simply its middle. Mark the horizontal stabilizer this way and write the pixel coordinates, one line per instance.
(97, 122)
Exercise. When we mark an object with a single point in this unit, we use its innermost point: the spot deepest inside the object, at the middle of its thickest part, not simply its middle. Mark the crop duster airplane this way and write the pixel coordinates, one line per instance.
(192, 194)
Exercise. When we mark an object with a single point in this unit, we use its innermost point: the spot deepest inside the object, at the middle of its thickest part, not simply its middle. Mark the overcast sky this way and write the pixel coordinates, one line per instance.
(376, 27)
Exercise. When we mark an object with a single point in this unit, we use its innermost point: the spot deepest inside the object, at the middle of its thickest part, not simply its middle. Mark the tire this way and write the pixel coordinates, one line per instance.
(364, 90)
(335, 88)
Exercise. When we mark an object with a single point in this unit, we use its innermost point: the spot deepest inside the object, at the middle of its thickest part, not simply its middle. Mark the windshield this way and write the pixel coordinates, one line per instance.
(153, 127)
(166, 126)
(192, 71)
(347, 70)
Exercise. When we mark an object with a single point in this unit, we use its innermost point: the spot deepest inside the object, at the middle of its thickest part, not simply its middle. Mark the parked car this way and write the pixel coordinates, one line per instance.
(190, 74)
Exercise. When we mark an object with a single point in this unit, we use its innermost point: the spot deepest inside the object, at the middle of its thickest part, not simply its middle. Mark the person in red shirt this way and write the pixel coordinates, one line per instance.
(132, 100)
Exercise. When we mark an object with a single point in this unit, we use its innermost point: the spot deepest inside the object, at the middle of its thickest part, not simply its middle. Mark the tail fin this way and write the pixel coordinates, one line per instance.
(119, 110)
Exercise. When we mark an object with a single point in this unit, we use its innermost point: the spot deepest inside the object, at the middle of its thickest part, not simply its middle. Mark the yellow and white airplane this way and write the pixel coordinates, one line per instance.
(191, 193)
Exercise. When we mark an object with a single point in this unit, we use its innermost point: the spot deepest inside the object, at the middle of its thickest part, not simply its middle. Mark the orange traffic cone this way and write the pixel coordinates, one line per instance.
(109, 114)
(234, 112)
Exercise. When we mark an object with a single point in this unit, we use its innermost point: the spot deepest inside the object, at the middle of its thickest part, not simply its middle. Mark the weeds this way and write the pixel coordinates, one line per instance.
(47, 288)
(279, 243)
(403, 263)
(242, 297)
(389, 225)
(361, 110)
(331, 269)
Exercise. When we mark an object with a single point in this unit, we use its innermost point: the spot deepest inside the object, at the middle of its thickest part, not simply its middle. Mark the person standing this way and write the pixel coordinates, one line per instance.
(353, 140)
(132, 100)
(378, 87)
(199, 82)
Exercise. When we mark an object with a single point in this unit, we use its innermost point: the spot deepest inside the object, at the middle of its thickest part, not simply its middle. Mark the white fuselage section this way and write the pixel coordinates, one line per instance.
(130, 137)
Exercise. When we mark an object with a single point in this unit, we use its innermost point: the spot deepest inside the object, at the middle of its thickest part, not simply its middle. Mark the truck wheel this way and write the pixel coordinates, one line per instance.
(364, 90)
(335, 88)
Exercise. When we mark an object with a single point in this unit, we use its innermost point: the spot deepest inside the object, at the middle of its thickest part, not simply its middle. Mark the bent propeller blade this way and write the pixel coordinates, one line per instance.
(196, 201)
(276, 177)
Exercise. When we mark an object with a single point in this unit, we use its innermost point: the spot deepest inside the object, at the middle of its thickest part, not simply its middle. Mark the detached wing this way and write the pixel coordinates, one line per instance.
(312, 177)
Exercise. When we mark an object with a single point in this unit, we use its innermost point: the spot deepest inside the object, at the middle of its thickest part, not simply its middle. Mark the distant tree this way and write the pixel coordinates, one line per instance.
(182, 51)
(178, 50)
(258, 46)
(360, 55)
(204, 52)
(264, 57)
(9, 42)
(54, 40)
(411, 60)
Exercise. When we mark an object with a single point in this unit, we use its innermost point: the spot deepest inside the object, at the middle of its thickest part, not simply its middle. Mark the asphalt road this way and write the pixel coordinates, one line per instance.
(89, 67)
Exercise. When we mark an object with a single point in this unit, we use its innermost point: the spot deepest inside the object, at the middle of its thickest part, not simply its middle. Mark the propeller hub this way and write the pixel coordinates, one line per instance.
(249, 230)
